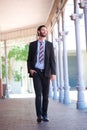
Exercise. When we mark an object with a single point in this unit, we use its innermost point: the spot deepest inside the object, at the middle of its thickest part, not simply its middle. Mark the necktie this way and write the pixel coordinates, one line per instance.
(41, 53)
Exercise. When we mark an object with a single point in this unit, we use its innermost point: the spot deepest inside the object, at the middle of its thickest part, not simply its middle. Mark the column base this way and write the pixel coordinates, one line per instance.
(51, 90)
(7, 94)
(1, 88)
(55, 96)
(81, 105)
(61, 96)
(66, 97)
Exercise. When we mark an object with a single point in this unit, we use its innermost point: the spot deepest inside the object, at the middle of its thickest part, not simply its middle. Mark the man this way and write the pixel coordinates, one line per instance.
(41, 67)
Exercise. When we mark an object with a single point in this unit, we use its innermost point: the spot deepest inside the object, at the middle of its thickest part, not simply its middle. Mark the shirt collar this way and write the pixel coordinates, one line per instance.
(41, 41)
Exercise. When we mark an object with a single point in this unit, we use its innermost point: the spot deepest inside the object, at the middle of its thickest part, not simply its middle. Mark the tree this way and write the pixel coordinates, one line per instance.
(18, 54)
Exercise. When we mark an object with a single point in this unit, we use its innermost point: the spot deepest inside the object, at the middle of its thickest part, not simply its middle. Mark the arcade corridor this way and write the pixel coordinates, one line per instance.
(19, 114)
(66, 21)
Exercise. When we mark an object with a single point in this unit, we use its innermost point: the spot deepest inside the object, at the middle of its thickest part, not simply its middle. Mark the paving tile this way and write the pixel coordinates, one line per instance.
(19, 114)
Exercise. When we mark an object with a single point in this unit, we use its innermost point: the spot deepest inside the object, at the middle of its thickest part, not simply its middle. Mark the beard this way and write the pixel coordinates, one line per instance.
(42, 34)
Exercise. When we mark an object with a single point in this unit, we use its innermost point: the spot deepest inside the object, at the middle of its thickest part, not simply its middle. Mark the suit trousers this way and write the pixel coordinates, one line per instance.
(41, 87)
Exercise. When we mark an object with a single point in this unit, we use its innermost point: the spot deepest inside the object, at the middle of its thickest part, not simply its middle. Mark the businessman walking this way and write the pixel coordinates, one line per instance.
(41, 67)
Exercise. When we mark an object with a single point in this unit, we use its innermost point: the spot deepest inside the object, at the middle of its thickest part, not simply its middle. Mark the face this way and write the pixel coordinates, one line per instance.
(43, 32)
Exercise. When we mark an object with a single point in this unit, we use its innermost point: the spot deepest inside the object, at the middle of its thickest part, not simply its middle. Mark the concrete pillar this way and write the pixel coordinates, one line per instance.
(6, 63)
(1, 87)
(83, 5)
(65, 64)
(54, 83)
(61, 90)
(80, 87)
(60, 59)
(57, 57)
(51, 87)
(53, 92)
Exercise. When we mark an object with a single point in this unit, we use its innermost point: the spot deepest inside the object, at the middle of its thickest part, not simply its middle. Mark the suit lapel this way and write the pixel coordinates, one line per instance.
(46, 48)
(35, 51)
(36, 44)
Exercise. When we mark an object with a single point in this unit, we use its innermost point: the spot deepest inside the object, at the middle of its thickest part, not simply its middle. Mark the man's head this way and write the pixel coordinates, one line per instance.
(42, 31)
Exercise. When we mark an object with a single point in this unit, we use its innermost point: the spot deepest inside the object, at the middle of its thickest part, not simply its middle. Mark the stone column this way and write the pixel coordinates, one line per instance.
(80, 86)
(54, 82)
(6, 63)
(51, 86)
(61, 90)
(51, 90)
(1, 87)
(65, 63)
(83, 5)
(57, 55)
(60, 58)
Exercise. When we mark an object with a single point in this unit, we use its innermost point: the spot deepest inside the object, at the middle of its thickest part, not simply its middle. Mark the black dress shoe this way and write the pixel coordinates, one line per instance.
(45, 118)
(39, 119)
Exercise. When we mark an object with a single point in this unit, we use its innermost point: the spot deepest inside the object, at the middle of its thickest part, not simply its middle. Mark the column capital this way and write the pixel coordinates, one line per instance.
(82, 88)
(63, 33)
(76, 16)
(59, 39)
(83, 4)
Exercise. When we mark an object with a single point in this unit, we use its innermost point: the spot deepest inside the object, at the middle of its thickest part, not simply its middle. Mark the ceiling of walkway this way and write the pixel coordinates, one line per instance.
(16, 14)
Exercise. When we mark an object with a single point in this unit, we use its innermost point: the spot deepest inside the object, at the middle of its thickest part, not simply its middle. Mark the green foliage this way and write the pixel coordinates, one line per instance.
(17, 76)
(3, 67)
(19, 53)
(3, 71)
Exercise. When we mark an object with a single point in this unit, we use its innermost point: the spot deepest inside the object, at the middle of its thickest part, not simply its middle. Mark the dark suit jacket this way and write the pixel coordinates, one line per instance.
(50, 67)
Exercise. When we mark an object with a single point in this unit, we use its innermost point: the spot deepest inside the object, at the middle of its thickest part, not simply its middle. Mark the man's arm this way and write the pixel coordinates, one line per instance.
(29, 61)
(52, 61)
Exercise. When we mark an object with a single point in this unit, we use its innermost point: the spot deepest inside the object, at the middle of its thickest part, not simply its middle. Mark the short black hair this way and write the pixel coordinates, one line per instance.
(39, 28)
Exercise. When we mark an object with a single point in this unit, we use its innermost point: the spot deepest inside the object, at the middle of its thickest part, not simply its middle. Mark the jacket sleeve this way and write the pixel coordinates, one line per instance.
(52, 61)
(29, 59)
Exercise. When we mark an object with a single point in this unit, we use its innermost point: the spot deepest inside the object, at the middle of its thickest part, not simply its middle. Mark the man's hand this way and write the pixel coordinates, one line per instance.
(53, 77)
(32, 72)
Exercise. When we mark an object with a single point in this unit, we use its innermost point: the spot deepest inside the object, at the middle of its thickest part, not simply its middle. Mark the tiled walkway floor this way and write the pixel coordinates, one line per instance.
(19, 114)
